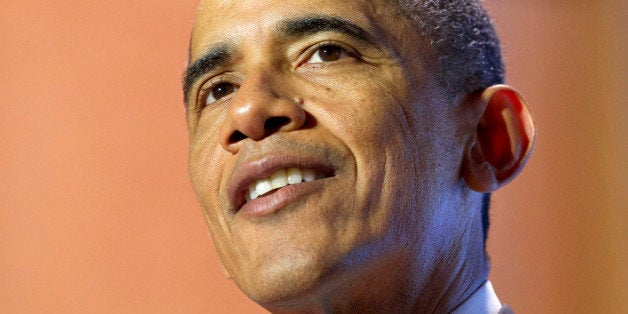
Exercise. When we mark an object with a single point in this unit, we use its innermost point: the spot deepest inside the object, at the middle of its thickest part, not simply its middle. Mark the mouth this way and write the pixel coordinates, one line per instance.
(280, 179)
(266, 185)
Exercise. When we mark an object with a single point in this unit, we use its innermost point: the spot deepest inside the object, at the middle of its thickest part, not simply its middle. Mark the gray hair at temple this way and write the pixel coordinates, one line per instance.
(463, 34)
(468, 47)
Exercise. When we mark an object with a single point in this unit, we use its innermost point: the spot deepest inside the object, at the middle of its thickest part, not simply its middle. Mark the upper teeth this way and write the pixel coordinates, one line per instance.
(279, 179)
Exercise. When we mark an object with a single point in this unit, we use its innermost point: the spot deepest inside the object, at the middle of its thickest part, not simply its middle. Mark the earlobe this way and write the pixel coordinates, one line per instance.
(503, 140)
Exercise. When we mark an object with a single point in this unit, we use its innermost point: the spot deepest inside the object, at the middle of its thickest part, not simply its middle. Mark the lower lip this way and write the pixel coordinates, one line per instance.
(266, 205)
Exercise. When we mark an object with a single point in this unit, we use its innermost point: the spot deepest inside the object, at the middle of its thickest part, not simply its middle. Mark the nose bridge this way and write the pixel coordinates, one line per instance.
(263, 105)
(261, 82)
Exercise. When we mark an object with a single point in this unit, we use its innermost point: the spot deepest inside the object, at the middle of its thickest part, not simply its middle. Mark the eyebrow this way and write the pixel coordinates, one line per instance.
(213, 58)
(220, 54)
(310, 25)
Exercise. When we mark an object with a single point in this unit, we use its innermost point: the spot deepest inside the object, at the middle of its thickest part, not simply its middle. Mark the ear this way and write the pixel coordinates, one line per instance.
(503, 140)
(225, 271)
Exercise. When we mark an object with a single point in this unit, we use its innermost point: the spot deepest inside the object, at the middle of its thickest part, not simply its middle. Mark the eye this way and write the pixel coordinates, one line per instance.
(219, 91)
(328, 53)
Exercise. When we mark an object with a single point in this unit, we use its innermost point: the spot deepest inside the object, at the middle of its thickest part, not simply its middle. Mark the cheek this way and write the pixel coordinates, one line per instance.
(206, 161)
(373, 123)
(366, 110)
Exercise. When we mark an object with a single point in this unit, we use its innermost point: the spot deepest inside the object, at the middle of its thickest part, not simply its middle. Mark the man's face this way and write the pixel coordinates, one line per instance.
(344, 93)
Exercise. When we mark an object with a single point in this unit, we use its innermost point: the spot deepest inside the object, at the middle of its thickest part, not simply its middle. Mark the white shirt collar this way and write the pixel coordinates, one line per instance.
(482, 301)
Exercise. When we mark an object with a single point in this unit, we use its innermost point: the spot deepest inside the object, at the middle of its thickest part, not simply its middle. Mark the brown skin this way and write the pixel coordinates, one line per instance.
(391, 228)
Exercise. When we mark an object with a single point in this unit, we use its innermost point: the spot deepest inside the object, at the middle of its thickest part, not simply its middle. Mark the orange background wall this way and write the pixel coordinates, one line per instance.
(97, 215)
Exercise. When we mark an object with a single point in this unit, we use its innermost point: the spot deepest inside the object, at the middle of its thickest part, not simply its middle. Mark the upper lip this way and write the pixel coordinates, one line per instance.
(247, 172)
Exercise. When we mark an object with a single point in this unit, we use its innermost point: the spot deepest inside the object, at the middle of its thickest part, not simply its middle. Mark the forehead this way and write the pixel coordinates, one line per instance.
(220, 20)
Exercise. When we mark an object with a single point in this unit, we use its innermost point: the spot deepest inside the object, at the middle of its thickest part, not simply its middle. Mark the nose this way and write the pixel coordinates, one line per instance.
(262, 106)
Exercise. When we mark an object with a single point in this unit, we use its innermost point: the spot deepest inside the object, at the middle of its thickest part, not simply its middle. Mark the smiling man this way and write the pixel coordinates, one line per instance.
(343, 151)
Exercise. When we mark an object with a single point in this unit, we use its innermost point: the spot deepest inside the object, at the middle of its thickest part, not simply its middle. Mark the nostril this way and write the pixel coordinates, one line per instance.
(236, 137)
(275, 123)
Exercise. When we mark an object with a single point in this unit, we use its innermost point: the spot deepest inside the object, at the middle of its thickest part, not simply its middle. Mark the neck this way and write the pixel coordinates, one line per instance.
(397, 282)
(457, 277)
(396, 289)
(459, 273)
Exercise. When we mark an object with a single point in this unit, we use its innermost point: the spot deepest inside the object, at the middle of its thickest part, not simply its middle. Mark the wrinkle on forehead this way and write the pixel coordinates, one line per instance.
(214, 14)
(209, 14)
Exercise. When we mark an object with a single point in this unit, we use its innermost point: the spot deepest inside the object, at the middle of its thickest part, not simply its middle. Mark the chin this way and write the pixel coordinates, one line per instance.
(286, 282)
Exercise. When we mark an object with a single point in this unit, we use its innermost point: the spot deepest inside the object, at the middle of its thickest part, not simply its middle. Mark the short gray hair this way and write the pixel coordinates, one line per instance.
(468, 47)
(465, 39)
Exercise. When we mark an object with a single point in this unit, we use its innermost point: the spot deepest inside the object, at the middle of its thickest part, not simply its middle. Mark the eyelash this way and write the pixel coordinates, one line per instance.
(206, 91)
(308, 54)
